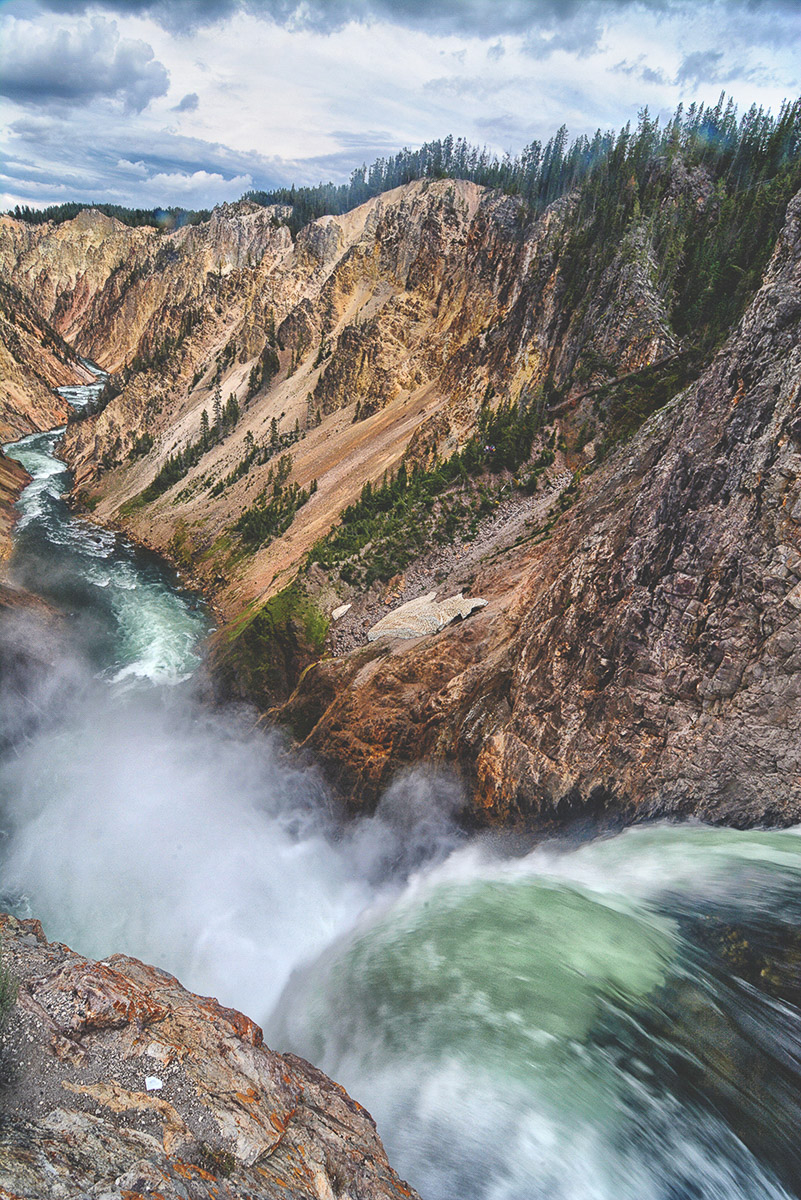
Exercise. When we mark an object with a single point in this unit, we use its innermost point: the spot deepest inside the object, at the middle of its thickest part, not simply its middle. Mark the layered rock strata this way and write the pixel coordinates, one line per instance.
(641, 659)
(389, 327)
(120, 1084)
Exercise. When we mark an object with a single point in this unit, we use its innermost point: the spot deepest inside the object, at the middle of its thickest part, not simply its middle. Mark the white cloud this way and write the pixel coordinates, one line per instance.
(250, 98)
(42, 64)
(135, 168)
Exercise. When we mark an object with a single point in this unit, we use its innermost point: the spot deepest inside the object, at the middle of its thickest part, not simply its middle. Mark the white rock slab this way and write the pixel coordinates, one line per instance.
(426, 614)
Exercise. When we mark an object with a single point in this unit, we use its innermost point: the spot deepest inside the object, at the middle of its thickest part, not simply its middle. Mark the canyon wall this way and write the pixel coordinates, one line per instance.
(642, 658)
(383, 330)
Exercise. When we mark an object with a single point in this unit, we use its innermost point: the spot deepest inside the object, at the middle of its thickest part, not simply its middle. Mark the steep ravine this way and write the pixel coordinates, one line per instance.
(550, 1022)
(386, 328)
(556, 1021)
(636, 653)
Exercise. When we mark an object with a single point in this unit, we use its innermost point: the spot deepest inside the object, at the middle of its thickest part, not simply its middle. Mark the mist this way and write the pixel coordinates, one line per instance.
(137, 820)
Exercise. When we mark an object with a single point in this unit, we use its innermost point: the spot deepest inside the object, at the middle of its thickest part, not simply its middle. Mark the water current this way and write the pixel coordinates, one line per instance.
(616, 1019)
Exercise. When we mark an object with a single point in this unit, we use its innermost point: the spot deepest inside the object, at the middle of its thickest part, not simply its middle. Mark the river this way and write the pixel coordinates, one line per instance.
(613, 1019)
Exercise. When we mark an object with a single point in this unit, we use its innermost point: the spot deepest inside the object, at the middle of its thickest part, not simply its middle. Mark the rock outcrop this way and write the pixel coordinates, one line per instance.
(641, 659)
(118, 1084)
(34, 360)
(13, 478)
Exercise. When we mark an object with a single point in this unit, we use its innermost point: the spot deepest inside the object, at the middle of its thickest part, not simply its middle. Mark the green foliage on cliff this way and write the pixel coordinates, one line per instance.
(275, 506)
(258, 453)
(177, 465)
(626, 403)
(264, 369)
(269, 648)
(397, 521)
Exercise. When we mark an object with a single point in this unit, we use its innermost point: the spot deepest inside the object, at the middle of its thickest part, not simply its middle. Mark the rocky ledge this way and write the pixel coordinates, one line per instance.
(117, 1084)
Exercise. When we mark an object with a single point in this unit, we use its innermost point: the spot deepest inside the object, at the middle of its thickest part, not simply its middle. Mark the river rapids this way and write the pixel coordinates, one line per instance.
(615, 1019)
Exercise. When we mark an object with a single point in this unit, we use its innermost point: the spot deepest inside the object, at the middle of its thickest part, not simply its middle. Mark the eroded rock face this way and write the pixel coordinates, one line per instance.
(645, 658)
(13, 478)
(82, 1112)
(34, 360)
(392, 324)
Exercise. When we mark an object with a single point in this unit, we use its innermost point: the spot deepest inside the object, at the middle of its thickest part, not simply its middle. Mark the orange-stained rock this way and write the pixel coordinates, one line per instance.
(232, 1118)
(643, 658)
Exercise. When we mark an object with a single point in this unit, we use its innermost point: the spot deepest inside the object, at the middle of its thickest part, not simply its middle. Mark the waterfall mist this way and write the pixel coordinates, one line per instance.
(513, 1021)
(138, 820)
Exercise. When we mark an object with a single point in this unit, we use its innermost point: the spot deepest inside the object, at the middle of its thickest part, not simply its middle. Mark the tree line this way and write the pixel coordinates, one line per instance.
(743, 148)
(159, 218)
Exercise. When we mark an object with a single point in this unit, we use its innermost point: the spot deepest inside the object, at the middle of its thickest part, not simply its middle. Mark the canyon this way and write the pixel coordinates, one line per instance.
(439, 392)
(636, 652)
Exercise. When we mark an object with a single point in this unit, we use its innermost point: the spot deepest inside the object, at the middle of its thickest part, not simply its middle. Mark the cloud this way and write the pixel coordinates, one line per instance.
(639, 69)
(281, 102)
(199, 186)
(700, 66)
(482, 18)
(124, 166)
(189, 103)
(43, 65)
(135, 168)
(478, 87)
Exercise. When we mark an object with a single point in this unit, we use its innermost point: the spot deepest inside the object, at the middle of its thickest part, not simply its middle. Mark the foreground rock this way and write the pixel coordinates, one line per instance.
(120, 1084)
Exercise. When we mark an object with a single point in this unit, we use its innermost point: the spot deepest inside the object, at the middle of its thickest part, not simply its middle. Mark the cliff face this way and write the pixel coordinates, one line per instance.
(63, 266)
(634, 652)
(34, 360)
(118, 1082)
(644, 657)
(13, 478)
(384, 331)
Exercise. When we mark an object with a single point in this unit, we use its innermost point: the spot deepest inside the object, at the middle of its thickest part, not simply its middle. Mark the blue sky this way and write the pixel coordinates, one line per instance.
(191, 102)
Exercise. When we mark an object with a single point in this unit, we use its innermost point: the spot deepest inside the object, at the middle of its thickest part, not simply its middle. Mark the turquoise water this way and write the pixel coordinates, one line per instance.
(612, 1020)
(579, 1022)
(140, 623)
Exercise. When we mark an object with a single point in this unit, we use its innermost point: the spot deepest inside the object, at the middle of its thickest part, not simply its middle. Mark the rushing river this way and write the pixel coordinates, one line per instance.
(611, 1020)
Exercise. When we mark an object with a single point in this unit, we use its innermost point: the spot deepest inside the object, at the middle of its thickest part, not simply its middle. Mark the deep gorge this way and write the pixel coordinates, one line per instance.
(565, 1020)
(527, 887)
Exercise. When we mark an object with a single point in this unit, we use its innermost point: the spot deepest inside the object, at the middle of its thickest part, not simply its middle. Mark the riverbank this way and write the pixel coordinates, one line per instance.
(13, 479)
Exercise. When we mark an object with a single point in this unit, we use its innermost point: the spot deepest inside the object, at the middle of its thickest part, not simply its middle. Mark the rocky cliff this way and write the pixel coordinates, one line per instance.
(118, 1083)
(373, 336)
(12, 480)
(640, 657)
(34, 360)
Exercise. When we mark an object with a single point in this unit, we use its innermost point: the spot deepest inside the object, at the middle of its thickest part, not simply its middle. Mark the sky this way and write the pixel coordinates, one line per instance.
(192, 102)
